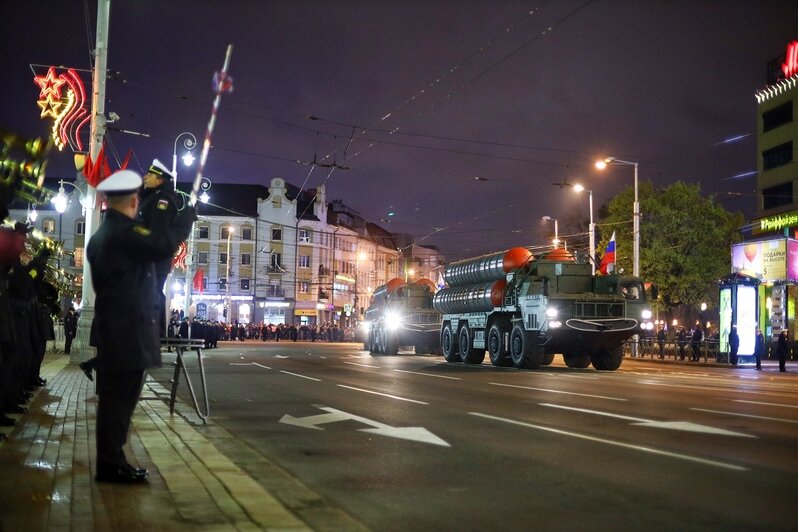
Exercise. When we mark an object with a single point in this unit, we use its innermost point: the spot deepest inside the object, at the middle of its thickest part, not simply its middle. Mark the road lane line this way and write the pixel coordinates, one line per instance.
(382, 394)
(302, 376)
(744, 415)
(362, 365)
(731, 388)
(641, 448)
(557, 391)
(260, 365)
(429, 374)
(766, 404)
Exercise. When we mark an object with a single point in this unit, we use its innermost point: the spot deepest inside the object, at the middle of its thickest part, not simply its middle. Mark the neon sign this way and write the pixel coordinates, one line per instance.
(67, 110)
(790, 65)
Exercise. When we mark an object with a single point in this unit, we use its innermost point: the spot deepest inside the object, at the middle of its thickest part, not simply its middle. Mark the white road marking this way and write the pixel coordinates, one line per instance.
(429, 374)
(362, 365)
(240, 363)
(260, 365)
(302, 376)
(731, 388)
(557, 391)
(744, 415)
(766, 404)
(687, 426)
(651, 450)
(382, 394)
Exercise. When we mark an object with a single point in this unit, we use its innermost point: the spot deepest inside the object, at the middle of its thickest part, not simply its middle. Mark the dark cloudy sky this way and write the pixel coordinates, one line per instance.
(519, 93)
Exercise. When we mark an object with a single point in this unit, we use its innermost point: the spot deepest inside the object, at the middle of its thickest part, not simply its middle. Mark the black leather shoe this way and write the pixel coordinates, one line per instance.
(42, 382)
(140, 471)
(6, 421)
(121, 475)
(87, 370)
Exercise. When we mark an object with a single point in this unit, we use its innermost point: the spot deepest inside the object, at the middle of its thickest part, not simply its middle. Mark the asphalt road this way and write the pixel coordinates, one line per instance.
(412, 442)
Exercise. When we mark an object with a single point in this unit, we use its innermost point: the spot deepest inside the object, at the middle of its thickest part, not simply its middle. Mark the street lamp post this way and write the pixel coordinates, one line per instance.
(227, 283)
(189, 143)
(591, 229)
(601, 165)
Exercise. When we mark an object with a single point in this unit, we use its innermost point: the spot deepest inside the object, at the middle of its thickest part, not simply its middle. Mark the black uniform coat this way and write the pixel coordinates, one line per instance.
(123, 254)
(157, 210)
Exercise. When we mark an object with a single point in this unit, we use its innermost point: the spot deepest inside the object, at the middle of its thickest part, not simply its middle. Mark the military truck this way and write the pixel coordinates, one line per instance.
(523, 311)
(400, 314)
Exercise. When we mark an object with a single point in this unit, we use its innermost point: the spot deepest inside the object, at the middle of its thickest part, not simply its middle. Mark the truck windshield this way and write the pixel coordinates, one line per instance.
(633, 291)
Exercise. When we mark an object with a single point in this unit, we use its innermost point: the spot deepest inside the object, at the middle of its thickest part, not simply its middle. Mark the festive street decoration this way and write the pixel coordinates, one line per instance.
(179, 260)
(62, 97)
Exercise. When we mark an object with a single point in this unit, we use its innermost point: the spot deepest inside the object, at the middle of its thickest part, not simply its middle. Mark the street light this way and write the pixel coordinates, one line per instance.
(591, 229)
(189, 143)
(601, 165)
(230, 231)
(556, 240)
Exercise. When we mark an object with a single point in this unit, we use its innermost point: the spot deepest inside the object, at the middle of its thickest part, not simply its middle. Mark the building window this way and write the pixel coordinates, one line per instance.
(77, 258)
(778, 116)
(304, 235)
(203, 231)
(777, 196)
(777, 156)
(204, 283)
(80, 227)
(202, 257)
(223, 257)
(222, 283)
(227, 231)
(304, 261)
(277, 233)
(244, 284)
(246, 259)
(48, 226)
(277, 203)
(246, 233)
(304, 287)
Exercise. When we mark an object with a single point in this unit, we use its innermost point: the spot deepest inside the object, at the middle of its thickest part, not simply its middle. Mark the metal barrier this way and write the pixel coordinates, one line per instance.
(181, 345)
(708, 349)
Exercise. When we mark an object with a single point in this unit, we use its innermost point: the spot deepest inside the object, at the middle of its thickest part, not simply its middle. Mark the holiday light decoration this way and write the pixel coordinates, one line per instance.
(179, 260)
(67, 110)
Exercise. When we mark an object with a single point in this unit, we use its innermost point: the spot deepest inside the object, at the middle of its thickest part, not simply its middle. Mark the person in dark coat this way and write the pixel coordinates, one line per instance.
(695, 343)
(159, 206)
(734, 345)
(781, 349)
(123, 255)
(759, 348)
(70, 329)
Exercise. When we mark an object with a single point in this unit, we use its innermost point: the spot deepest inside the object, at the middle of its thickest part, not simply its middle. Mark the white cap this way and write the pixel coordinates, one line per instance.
(120, 183)
(160, 170)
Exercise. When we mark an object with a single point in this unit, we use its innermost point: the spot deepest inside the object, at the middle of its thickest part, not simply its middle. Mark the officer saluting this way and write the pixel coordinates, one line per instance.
(159, 206)
(123, 255)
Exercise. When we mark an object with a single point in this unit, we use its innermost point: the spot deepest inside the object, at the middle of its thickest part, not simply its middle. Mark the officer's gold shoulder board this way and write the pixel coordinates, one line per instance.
(163, 204)
(140, 229)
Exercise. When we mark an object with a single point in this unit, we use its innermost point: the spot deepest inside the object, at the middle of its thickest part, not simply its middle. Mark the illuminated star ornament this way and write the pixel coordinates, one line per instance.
(66, 108)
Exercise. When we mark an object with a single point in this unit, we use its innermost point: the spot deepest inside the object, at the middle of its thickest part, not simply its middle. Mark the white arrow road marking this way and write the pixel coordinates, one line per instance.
(419, 434)
(249, 364)
(556, 391)
(672, 425)
(615, 443)
(260, 365)
(745, 415)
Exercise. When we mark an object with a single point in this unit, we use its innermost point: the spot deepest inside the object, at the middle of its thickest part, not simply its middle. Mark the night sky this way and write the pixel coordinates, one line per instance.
(438, 93)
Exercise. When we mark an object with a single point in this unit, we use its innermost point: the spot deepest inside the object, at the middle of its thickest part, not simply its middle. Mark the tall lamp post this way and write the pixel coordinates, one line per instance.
(601, 165)
(189, 143)
(591, 228)
(228, 302)
(556, 240)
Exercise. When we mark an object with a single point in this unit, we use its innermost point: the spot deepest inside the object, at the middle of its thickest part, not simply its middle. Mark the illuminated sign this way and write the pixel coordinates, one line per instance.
(790, 65)
(746, 319)
(67, 110)
(765, 260)
(779, 221)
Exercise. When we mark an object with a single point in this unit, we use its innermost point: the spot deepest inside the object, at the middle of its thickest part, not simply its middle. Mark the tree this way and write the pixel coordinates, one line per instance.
(685, 240)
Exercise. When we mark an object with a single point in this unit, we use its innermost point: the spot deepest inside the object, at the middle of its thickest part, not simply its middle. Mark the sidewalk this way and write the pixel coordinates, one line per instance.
(47, 471)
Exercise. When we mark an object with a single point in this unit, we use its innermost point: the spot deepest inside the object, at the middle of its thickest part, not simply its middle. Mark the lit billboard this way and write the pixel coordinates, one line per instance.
(767, 260)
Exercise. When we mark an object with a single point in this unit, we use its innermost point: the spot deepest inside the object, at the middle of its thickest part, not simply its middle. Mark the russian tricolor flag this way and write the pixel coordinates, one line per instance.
(607, 265)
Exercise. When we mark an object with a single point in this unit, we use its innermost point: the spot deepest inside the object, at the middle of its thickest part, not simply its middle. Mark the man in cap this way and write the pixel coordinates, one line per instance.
(123, 255)
(159, 206)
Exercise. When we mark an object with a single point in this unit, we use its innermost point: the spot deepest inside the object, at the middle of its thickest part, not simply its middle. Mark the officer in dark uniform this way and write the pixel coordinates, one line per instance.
(159, 206)
(123, 255)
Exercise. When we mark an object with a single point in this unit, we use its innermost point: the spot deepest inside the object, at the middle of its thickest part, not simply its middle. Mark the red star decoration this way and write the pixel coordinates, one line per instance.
(50, 85)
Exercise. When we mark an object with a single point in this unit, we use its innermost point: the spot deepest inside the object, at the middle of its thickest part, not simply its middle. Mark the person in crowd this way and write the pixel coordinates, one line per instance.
(70, 329)
(782, 346)
(681, 341)
(734, 345)
(695, 342)
(661, 341)
(759, 348)
(124, 256)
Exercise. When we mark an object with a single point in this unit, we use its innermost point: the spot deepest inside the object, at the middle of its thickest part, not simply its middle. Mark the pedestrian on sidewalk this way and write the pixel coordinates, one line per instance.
(661, 341)
(681, 340)
(695, 342)
(734, 345)
(70, 329)
(759, 348)
(124, 256)
(781, 350)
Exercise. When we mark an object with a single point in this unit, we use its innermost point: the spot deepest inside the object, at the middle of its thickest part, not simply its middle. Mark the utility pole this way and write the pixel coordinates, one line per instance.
(81, 349)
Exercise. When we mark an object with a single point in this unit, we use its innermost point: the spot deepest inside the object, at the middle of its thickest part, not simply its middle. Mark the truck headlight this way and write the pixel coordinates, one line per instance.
(551, 313)
(364, 325)
(646, 314)
(393, 320)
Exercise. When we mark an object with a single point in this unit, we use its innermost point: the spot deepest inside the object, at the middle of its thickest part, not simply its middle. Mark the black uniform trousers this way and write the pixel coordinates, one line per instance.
(118, 393)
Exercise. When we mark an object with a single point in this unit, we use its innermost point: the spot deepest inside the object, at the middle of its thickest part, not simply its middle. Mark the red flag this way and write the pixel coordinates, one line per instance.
(607, 265)
(197, 281)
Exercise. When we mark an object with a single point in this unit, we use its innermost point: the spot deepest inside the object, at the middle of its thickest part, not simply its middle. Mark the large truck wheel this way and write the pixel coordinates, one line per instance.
(576, 360)
(448, 344)
(524, 349)
(391, 344)
(548, 358)
(498, 354)
(607, 359)
(469, 354)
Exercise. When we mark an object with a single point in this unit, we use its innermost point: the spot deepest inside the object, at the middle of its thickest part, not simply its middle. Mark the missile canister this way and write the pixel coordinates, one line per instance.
(485, 268)
(473, 298)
